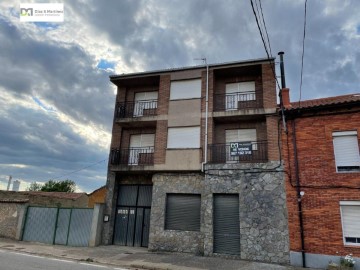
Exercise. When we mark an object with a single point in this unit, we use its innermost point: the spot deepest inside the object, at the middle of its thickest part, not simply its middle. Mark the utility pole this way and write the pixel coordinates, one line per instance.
(9, 183)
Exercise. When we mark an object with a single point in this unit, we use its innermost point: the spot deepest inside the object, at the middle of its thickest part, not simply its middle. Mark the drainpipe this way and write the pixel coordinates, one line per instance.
(299, 195)
(206, 115)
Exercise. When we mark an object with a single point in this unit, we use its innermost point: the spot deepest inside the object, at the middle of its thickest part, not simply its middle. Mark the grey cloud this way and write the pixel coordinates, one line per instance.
(71, 80)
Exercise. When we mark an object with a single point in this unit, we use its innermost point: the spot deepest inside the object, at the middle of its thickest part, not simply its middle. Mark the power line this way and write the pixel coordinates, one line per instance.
(264, 43)
(83, 168)
(266, 32)
(303, 52)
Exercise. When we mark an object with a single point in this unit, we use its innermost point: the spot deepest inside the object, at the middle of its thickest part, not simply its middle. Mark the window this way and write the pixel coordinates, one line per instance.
(145, 101)
(185, 89)
(184, 137)
(182, 212)
(350, 217)
(141, 148)
(239, 92)
(346, 150)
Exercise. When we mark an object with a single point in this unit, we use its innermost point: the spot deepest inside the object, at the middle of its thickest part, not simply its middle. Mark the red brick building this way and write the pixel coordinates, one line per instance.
(322, 164)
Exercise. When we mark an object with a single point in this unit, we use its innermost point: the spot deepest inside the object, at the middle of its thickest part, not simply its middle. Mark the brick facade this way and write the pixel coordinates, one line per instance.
(182, 170)
(323, 187)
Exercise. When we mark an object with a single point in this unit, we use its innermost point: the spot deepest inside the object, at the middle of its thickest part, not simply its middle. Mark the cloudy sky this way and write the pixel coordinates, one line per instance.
(56, 101)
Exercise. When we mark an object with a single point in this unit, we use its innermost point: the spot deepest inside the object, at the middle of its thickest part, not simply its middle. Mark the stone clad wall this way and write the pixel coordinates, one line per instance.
(171, 240)
(262, 209)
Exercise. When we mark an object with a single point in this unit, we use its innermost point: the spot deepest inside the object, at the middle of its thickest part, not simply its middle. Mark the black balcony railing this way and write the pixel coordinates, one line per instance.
(243, 152)
(135, 109)
(237, 101)
(132, 156)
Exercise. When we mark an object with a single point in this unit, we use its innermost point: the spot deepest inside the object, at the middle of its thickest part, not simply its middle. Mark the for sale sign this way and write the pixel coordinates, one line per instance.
(240, 149)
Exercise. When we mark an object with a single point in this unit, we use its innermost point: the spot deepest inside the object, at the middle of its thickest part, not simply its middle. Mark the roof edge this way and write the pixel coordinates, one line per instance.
(160, 71)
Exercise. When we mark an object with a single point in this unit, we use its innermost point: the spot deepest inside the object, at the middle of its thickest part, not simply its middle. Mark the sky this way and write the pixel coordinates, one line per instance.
(56, 101)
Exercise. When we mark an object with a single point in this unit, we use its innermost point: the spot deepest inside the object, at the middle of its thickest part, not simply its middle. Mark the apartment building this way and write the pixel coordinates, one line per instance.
(321, 158)
(194, 164)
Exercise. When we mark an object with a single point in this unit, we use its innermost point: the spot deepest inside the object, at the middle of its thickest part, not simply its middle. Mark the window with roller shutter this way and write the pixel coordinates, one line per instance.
(182, 212)
(346, 150)
(186, 89)
(350, 217)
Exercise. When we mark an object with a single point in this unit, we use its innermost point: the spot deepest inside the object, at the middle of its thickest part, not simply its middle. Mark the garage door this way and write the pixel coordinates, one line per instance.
(226, 224)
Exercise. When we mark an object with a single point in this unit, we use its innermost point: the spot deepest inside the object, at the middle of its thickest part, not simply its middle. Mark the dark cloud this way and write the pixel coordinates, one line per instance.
(148, 35)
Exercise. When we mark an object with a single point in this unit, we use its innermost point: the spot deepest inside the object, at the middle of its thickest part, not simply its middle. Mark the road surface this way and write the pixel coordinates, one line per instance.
(10, 260)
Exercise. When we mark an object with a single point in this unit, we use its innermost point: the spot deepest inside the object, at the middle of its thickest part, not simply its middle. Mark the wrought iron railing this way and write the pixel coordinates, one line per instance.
(238, 152)
(132, 156)
(237, 101)
(136, 108)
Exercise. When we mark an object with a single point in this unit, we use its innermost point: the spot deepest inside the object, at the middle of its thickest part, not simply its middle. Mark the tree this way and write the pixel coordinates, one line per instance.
(54, 186)
(34, 187)
(59, 186)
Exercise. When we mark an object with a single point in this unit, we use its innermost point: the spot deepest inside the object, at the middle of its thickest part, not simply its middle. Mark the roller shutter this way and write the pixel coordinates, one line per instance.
(183, 212)
(226, 224)
(185, 89)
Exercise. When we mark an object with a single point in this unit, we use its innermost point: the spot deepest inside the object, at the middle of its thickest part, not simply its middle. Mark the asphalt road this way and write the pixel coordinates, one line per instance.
(10, 260)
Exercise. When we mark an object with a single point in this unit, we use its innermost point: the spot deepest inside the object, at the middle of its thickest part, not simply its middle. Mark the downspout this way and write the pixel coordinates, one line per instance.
(298, 195)
(206, 116)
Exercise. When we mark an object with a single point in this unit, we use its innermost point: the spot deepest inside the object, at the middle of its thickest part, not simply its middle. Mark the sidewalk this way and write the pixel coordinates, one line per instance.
(136, 258)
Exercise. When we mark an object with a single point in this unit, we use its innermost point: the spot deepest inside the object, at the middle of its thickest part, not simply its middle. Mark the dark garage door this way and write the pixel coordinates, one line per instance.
(226, 224)
(133, 215)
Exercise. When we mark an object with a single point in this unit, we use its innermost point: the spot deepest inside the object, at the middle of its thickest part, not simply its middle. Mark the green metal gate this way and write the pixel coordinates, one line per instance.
(60, 226)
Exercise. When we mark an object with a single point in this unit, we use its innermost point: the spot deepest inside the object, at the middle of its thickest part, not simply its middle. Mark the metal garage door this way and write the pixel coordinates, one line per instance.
(226, 224)
(133, 215)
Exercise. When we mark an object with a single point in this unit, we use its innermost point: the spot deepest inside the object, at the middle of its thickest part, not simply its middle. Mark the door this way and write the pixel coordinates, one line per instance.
(133, 215)
(226, 224)
(140, 144)
(143, 101)
(235, 92)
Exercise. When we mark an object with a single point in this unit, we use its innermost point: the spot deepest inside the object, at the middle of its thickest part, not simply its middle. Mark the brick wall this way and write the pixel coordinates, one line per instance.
(164, 94)
(321, 209)
(269, 86)
(160, 142)
(272, 131)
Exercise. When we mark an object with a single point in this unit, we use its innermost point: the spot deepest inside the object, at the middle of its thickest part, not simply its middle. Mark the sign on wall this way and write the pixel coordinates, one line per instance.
(240, 149)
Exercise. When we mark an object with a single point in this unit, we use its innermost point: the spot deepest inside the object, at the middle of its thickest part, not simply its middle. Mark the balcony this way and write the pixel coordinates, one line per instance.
(237, 101)
(132, 156)
(135, 109)
(241, 152)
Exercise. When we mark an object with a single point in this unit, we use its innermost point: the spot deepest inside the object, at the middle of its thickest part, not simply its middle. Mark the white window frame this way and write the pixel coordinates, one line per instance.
(337, 134)
(192, 132)
(141, 104)
(185, 89)
(134, 154)
(233, 94)
(348, 203)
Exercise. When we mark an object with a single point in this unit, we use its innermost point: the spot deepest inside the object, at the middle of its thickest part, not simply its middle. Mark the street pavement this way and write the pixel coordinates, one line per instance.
(113, 257)
(10, 260)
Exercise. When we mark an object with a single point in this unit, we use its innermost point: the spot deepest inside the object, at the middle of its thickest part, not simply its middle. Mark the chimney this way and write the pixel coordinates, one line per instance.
(282, 69)
(284, 93)
(285, 98)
